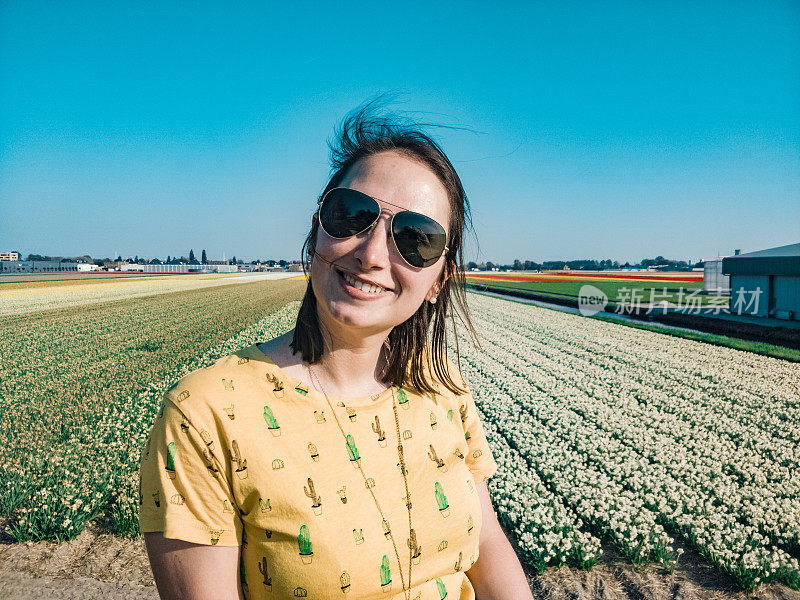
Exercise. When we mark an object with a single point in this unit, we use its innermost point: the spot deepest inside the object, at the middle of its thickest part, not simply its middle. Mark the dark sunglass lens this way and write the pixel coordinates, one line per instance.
(347, 212)
(420, 239)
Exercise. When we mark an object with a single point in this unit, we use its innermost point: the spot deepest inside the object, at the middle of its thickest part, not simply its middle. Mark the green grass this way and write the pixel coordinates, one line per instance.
(612, 289)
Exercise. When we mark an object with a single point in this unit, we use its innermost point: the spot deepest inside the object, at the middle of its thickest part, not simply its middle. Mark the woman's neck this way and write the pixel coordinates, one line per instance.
(348, 369)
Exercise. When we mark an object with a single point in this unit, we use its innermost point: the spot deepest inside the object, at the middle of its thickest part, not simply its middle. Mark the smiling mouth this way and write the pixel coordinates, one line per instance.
(364, 287)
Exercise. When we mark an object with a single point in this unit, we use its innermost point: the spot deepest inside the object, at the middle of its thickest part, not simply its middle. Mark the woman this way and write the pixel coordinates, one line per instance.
(344, 458)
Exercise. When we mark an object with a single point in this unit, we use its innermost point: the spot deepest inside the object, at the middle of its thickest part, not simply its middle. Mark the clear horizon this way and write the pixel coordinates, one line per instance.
(595, 130)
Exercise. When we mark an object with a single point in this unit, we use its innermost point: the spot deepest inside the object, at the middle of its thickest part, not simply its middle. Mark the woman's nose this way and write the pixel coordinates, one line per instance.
(373, 248)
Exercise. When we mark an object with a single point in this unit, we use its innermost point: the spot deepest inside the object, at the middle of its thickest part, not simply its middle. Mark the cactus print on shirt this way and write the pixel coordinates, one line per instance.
(242, 453)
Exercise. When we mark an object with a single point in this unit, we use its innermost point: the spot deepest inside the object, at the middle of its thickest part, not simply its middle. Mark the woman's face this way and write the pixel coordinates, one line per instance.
(389, 177)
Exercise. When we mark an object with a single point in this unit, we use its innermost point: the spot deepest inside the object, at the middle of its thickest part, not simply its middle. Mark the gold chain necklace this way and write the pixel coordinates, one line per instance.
(407, 592)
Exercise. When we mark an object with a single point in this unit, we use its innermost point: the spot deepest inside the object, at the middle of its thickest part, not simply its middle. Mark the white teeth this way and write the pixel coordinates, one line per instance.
(367, 287)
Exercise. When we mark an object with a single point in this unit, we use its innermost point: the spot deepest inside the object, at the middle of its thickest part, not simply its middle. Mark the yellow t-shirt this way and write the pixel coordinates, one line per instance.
(242, 453)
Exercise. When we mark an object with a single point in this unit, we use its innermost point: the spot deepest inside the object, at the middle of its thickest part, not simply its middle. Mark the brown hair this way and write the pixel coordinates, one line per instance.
(362, 133)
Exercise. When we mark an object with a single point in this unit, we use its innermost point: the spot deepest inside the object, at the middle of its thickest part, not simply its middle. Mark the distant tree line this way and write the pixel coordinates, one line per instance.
(659, 263)
(170, 260)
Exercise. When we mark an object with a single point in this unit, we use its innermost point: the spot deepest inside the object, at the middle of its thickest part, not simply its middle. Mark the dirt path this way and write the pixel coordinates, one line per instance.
(99, 565)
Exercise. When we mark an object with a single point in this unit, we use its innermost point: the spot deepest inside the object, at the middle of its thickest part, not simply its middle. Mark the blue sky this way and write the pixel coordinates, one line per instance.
(617, 130)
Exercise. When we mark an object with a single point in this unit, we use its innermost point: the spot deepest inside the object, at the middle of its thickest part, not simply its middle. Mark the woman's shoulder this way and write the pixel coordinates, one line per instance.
(213, 383)
(436, 377)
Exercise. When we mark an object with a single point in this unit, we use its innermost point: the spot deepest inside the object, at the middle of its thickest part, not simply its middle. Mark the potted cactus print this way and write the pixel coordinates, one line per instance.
(440, 464)
(358, 536)
(319, 415)
(227, 507)
(344, 580)
(457, 566)
(416, 550)
(227, 384)
(262, 566)
(272, 422)
(156, 499)
(302, 390)
(351, 414)
(317, 500)
(442, 589)
(264, 506)
(170, 466)
(277, 390)
(241, 469)
(342, 494)
(177, 499)
(352, 452)
(441, 500)
(433, 421)
(402, 398)
(450, 415)
(376, 427)
(386, 575)
(229, 411)
(312, 449)
(304, 542)
(215, 535)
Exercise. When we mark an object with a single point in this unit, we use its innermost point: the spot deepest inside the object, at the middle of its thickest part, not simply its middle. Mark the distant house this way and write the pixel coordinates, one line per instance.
(765, 283)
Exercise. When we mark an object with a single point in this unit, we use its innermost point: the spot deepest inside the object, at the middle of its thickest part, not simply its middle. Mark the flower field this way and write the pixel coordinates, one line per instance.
(645, 440)
(603, 434)
(79, 387)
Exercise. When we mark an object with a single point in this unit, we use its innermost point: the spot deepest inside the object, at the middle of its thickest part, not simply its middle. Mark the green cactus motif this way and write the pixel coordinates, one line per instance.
(352, 451)
(358, 535)
(301, 390)
(272, 423)
(402, 398)
(386, 573)
(228, 384)
(304, 543)
(450, 415)
(319, 415)
(170, 466)
(264, 506)
(442, 588)
(441, 499)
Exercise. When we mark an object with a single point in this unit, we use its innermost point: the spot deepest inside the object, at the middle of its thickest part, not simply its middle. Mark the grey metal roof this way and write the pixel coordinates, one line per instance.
(782, 260)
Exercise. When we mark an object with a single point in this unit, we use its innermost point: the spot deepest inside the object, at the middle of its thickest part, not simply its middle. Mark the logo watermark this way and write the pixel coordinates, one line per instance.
(591, 300)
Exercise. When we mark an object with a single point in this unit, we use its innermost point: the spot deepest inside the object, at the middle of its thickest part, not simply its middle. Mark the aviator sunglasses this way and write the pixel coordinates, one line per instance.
(419, 239)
